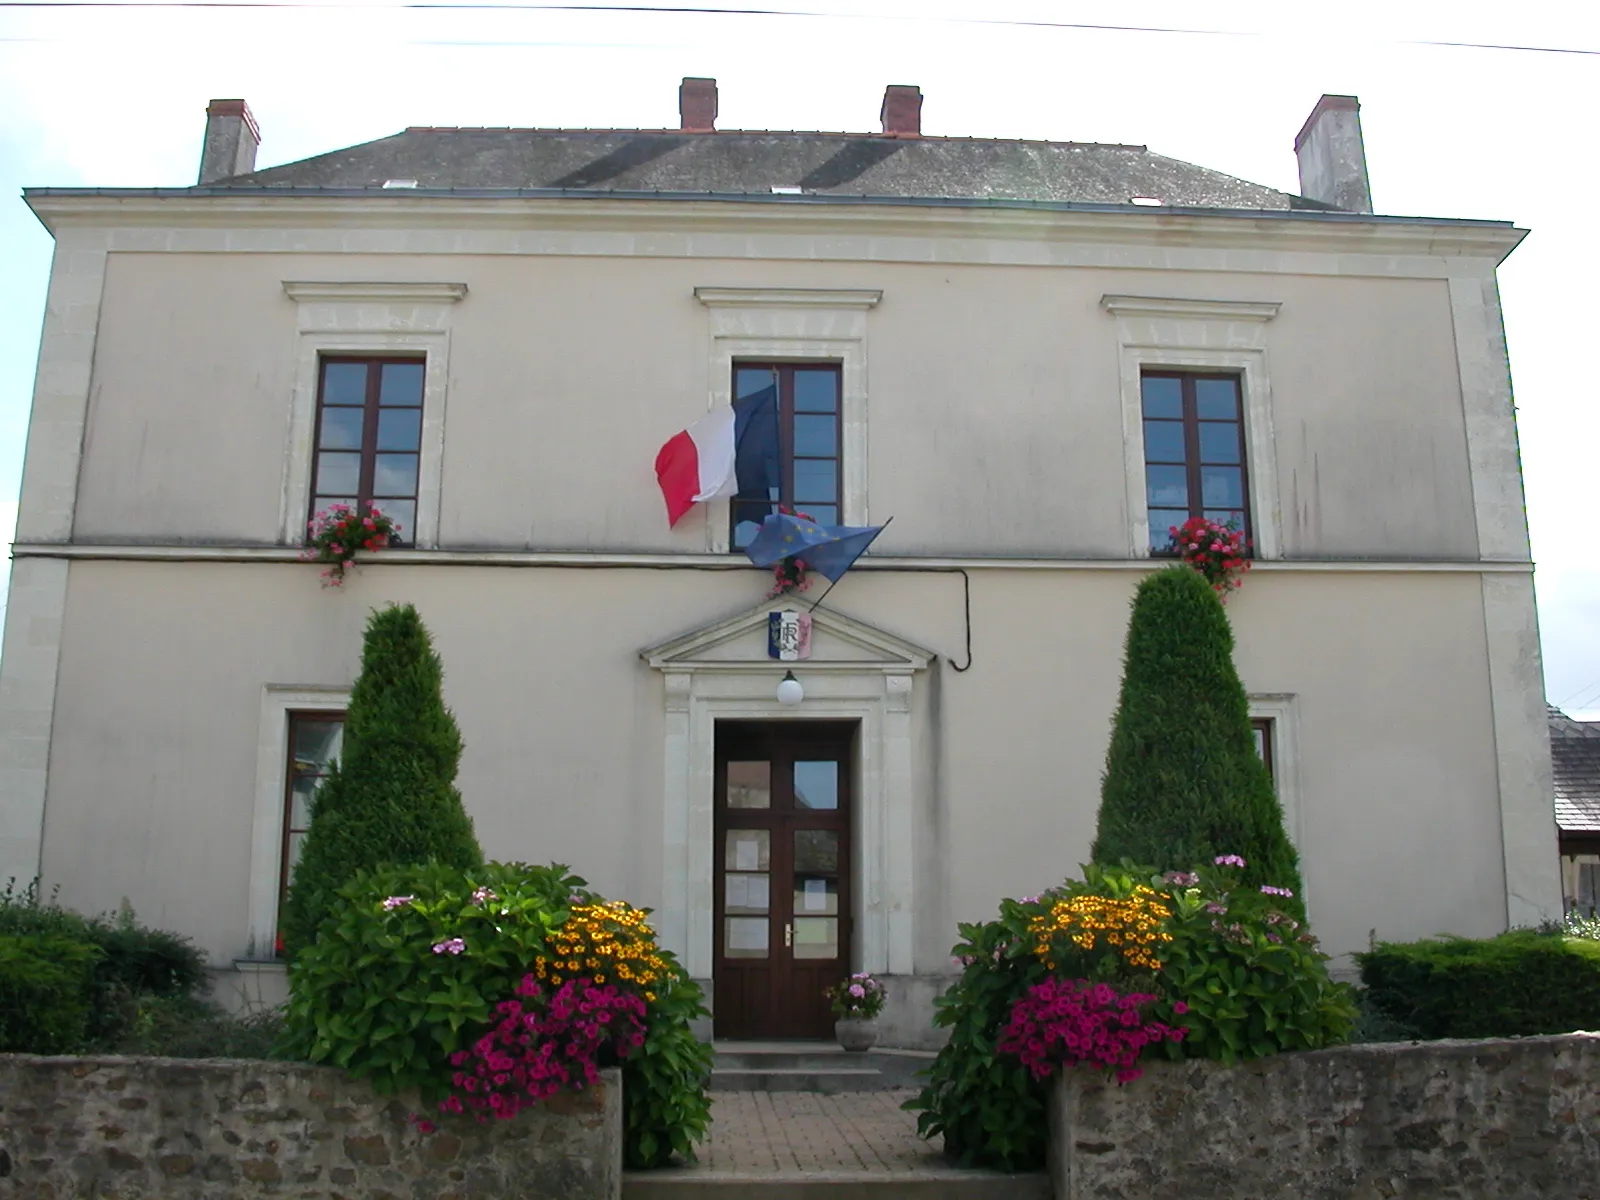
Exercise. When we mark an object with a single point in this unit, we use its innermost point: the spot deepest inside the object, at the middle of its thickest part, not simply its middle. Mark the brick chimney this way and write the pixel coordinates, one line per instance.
(1333, 159)
(902, 111)
(697, 105)
(231, 140)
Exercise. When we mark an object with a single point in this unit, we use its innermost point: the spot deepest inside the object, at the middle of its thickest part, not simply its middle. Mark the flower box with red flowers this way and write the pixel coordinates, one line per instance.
(1218, 550)
(337, 533)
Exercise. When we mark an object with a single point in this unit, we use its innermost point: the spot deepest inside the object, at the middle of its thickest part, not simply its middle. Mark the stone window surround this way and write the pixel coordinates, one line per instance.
(1199, 335)
(272, 785)
(1283, 710)
(699, 691)
(774, 324)
(369, 319)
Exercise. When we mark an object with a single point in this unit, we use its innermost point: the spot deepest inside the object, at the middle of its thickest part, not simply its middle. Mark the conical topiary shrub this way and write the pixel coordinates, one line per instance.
(1183, 782)
(391, 799)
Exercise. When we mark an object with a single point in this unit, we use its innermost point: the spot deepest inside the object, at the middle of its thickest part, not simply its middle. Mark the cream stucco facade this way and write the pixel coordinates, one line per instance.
(160, 625)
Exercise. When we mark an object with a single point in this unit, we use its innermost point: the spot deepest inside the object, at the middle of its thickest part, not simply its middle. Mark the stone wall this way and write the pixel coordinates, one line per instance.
(1445, 1120)
(178, 1129)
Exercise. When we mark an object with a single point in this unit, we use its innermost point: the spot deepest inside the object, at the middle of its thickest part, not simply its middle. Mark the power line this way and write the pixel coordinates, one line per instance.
(699, 10)
(1589, 693)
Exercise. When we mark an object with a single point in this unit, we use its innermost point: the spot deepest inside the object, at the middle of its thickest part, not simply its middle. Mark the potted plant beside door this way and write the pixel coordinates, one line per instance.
(857, 1001)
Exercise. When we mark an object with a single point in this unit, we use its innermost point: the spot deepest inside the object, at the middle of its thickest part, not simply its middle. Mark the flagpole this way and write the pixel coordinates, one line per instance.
(833, 582)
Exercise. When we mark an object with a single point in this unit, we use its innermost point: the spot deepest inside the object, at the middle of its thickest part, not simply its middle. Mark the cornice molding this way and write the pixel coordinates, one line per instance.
(725, 562)
(1203, 310)
(847, 298)
(532, 218)
(372, 292)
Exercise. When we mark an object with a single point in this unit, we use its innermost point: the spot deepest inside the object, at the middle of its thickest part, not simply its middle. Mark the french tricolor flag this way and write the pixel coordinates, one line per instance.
(731, 451)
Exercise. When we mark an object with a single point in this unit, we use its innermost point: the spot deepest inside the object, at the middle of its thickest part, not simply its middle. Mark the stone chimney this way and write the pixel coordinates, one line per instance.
(697, 105)
(902, 111)
(1333, 160)
(231, 140)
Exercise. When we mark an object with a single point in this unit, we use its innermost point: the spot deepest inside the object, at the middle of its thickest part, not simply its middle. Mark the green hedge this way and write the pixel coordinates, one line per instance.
(1515, 985)
(45, 993)
(1183, 782)
(132, 963)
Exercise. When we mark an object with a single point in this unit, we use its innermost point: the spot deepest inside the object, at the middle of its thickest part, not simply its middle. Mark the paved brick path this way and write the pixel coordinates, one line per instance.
(804, 1133)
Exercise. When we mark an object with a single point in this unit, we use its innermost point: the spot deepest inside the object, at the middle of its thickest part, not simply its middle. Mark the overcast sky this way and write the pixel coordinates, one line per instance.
(116, 96)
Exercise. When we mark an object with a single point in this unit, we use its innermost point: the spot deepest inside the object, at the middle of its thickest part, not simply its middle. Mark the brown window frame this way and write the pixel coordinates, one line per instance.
(1193, 464)
(290, 774)
(371, 408)
(785, 370)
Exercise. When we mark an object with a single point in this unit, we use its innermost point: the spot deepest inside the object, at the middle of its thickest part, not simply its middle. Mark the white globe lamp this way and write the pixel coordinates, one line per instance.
(790, 693)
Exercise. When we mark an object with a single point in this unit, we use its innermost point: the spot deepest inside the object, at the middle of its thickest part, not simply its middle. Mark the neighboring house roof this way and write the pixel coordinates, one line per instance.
(1575, 758)
(756, 162)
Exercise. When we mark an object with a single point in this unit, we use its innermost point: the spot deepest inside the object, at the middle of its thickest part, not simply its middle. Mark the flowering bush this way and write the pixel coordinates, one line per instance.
(1218, 550)
(422, 973)
(1071, 1022)
(1095, 973)
(1133, 926)
(602, 940)
(543, 1044)
(860, 996)
(337, 532)
(1254, 978)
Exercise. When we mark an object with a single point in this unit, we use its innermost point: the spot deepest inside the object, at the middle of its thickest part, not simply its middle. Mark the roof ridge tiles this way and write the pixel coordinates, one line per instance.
(819, 133)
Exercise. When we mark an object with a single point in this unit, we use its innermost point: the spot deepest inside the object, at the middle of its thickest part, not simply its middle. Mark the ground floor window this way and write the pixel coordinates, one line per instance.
(1586, 896)
(1261, 728)
(314, 743)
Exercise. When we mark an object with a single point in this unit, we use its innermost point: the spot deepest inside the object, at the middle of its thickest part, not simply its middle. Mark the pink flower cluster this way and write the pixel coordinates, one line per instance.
(1268, 890)
(394, 902)
(541, 1044)
(1072, 1021)
(1229, 860)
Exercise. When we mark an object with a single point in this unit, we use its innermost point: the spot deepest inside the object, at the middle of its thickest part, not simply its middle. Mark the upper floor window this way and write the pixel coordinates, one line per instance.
(1194, 451)
(369, 437)
(315, 742)
(787, 443)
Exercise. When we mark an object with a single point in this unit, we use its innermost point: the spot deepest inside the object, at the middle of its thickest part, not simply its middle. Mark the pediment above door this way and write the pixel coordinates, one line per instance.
(739, 642)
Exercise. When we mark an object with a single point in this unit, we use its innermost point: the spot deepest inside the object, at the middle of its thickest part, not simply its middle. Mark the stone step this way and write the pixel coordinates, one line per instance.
(827, 1083)
(822, 1069)
(944, 1183)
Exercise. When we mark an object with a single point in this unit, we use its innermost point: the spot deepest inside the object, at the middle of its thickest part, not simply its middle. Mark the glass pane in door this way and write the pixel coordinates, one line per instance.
(746, 937)
(816, 892)
(749, 785)
(816, 785)
(746, 893)
(748, 850)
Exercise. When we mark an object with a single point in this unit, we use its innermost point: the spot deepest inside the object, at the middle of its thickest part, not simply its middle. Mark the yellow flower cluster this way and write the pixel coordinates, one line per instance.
(1133, 926)
(604, 941)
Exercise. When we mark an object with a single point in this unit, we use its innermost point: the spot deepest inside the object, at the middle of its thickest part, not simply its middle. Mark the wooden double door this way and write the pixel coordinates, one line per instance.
(782, 875)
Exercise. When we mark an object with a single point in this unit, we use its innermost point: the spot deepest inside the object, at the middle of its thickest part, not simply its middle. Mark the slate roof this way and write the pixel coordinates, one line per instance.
(744, 163)
(1575, 757)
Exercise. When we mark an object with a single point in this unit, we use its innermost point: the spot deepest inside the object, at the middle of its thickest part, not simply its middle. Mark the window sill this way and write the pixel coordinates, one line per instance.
(260, 966)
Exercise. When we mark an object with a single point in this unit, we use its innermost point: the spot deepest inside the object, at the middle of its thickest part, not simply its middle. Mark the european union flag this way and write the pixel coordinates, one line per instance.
(826, 549)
